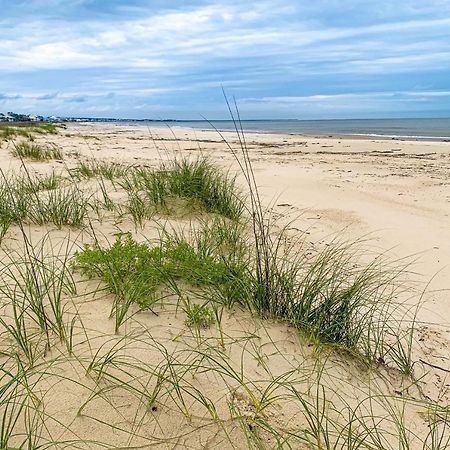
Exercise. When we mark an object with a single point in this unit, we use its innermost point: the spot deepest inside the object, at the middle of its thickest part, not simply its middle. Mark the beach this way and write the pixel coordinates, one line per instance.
(244, 379)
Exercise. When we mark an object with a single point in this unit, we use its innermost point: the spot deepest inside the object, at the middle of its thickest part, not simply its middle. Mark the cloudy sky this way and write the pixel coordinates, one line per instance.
(280, 58)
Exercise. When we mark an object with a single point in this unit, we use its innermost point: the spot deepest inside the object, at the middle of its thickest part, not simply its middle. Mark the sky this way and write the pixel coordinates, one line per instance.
(280, 59)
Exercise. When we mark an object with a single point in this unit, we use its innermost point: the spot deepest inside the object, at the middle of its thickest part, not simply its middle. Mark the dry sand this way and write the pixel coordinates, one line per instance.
(395, 193)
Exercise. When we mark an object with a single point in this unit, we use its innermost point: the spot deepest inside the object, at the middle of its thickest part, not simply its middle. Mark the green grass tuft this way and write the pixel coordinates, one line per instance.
(66, 206)
(36, 152)
(199, 184)
(93, 168)
(39, 200)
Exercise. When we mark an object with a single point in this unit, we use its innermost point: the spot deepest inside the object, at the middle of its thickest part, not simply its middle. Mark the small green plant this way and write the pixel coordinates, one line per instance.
(131, 271)
(198, 316)
(36, 152)
(134, 272)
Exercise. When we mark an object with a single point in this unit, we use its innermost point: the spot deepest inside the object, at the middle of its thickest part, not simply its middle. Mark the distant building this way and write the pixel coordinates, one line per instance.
(14, 117)
(34, 118)
(6, 118)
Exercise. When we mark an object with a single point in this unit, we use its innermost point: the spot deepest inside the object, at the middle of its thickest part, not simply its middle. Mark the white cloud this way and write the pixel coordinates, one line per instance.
(346, 97)
(173, 40)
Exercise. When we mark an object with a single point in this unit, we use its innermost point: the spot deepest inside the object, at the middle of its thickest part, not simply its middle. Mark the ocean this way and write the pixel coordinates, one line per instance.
(420, 129)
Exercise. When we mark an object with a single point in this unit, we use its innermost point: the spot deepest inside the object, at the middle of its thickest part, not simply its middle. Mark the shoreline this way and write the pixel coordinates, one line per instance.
(368, 136)
(183, 125)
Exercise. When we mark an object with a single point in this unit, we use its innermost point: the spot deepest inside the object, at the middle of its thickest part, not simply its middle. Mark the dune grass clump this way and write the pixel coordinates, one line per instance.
(29, 150)
(41, 199)
(46, 128)
(14, 205)
(42, 183)
(65, 206)
(327, 296)
(36, 283)
(107, 170)
(33, 183)
(336, 301)
(198, 183)
(27, 183)
(8, 132)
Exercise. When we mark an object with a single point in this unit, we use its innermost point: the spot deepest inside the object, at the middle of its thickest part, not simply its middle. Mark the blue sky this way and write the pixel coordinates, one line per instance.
(281, 59)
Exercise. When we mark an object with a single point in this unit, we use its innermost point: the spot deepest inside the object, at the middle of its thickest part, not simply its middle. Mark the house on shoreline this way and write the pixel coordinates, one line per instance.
(14, 117)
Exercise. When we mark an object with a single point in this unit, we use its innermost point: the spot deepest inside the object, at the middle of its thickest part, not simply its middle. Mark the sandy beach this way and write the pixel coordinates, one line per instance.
(393, 195)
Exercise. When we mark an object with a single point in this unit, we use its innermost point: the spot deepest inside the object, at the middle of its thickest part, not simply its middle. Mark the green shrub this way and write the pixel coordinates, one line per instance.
(133, 272)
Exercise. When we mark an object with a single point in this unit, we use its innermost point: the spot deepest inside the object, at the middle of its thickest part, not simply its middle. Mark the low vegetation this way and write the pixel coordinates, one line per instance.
(108, 170)
(28, 131)
(197, 183)
(326, 297)
(29, 150)
(40, 200)
(134, 272)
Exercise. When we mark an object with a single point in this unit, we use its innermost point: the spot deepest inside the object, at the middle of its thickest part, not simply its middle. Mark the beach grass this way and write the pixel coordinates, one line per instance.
(29, 150)
(41, 200)
(108, 170)
(7, 132)
(196, 184)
